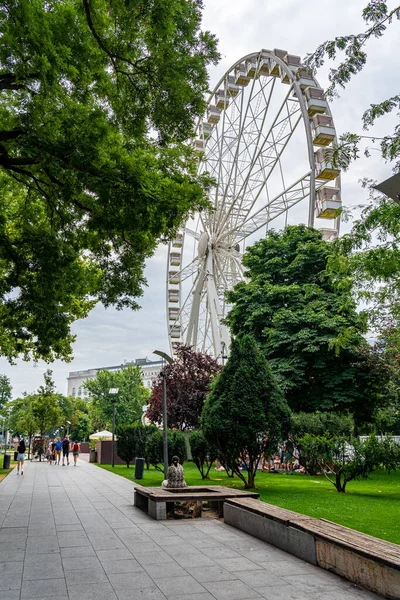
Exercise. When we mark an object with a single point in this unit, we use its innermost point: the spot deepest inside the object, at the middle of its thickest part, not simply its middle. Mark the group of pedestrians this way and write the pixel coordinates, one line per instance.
(56, 447)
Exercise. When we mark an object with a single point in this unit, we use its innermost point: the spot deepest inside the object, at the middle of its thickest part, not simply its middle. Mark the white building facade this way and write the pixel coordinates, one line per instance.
(76, 379)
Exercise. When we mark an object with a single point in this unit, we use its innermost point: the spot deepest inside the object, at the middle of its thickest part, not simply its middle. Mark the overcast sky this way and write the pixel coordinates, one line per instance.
(108, 337)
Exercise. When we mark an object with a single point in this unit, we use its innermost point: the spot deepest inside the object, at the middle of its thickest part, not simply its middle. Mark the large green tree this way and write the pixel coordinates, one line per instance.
(244, 405)
(188, 381)
(5, 391)
(306, 323)
(131, 397)
(97, 98)
(45, 406)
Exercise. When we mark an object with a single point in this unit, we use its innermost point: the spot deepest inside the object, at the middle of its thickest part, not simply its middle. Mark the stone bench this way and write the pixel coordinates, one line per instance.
(363, 559)
(157, 501)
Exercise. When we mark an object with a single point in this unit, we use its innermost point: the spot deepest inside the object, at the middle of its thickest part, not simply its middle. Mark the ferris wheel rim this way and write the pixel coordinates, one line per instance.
(306, 185)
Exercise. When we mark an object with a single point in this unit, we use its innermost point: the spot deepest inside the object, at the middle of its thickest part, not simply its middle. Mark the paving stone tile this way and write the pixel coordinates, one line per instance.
(45, 588)
(153, 558)
(205, 596)
(92, 591)
(11, 568)
(43, 571)
(76, 527)
(72, 539)
(215, 573)
(81, 562)
(10, 594)
(11, 581)
(130, 581)
(184, 585)
(237, 564)
(77, 551)
(285, 592)
(218, 551)
(162, 570)
(104, 542)
(118, 554)
(194, 560)
(52, 559)
(122, 566)
(43, 546)
(149, 593)
(314, 582)
(256, 579)
(85, 576)
(231, 590)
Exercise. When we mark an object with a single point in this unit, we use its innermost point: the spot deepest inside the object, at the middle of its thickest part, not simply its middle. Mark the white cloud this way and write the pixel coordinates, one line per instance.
(108, 337)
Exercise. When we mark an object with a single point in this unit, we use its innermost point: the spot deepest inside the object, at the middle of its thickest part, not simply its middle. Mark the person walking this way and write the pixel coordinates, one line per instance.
(65, 450)
(58, 450)
(21, 456)
(75, 451)
(53, 450)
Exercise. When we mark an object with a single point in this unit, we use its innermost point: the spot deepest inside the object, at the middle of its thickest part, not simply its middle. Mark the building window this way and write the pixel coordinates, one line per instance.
(73, 391)
(80, 392)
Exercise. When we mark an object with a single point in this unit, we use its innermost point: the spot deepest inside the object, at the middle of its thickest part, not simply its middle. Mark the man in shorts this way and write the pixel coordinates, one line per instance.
(58, 451)
(65, 449)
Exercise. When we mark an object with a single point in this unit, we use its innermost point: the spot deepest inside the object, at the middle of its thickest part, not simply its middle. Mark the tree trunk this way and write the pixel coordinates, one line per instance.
(250, 480)
(341, 487)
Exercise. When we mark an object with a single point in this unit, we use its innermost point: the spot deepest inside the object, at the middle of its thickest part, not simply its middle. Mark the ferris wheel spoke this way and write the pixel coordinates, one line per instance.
(186, 272)
(193, 325)
(193, 234)
(266, 157)
(252, 123)
(278, 205)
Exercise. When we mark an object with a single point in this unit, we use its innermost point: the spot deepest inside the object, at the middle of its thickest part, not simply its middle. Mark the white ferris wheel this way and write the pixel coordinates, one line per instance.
(263, 140)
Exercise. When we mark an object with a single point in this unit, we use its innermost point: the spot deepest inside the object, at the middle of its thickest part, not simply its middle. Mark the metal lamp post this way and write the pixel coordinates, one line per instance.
(2, 435)
(113, 393)
(68, 424)
(169, 360)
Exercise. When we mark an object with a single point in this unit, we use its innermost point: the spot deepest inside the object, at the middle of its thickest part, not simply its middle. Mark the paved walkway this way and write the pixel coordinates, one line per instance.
(73, 533)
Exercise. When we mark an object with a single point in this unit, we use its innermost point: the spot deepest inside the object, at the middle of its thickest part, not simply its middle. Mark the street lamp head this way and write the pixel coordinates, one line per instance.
(164, 355)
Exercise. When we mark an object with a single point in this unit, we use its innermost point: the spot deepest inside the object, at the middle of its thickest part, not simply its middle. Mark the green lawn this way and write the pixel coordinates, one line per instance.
(371, 506)
(5, 472)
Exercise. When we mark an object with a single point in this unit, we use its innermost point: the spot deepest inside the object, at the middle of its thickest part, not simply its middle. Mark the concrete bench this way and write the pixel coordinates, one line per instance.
(361, 558)
(157, 501)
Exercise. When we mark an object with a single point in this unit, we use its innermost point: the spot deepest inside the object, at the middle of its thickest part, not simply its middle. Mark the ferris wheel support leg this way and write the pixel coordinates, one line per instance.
(191, 336)
(311, 206)
(221, 338)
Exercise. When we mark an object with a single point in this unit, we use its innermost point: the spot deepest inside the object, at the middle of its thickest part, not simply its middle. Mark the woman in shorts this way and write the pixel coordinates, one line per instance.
(75, 451)
(21, 456)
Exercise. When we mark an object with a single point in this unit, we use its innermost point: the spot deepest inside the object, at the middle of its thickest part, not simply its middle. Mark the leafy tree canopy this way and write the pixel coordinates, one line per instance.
(306, 323)
(5, 391)
(245, 403)
(188, 383)
(97, 97)
(131, 397)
